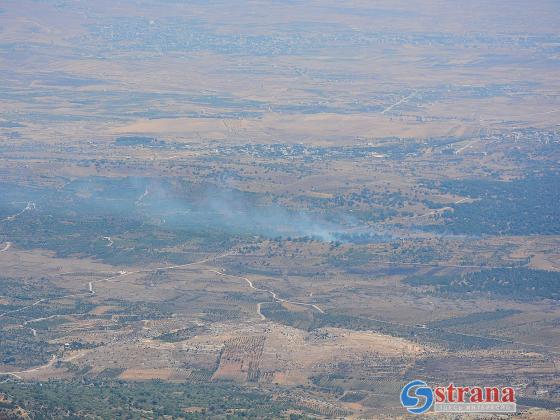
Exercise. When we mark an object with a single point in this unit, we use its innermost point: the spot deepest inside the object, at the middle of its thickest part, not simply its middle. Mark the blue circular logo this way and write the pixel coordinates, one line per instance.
(417, 397)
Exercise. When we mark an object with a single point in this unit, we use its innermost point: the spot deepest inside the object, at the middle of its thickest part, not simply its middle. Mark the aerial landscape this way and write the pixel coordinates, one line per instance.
(277, 209)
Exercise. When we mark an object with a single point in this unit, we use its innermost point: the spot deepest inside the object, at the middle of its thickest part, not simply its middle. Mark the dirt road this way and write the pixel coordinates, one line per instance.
(270, 292)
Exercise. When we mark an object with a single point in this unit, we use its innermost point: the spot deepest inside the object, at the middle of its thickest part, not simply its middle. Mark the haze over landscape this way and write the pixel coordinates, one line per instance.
(277, 209)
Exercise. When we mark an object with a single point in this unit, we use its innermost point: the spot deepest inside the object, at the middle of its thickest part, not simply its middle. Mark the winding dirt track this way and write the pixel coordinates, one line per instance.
(90, 292)
(112, 278)
(16, 374)
(30, 206)
(259, 305)
(271, 292)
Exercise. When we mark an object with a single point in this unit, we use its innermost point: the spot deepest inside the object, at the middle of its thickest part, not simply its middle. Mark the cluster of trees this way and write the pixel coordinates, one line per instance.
(70, 224)
(181, 334)
(522, 207)
(139, 141)
(368, 197)
(310, 321)
(109, 398)
(518, 283)
(474, 318)
(18, 348)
